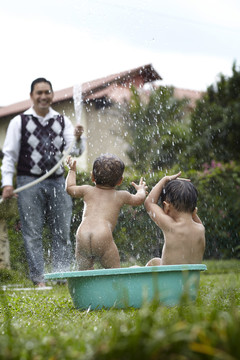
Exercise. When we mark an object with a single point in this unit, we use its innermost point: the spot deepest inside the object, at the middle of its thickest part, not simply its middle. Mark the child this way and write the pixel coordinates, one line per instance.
(102, 204)
(184, 233)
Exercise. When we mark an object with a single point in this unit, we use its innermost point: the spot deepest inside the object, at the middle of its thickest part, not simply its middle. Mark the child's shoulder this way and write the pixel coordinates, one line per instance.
(86, 186)
(82, 190)
(199, 226)
(122, 193)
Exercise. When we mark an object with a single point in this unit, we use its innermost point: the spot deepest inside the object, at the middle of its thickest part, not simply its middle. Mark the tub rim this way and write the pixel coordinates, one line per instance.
(125, 271)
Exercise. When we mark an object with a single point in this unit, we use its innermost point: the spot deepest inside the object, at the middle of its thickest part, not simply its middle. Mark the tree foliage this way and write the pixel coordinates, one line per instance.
(157, 133)
(215, 123)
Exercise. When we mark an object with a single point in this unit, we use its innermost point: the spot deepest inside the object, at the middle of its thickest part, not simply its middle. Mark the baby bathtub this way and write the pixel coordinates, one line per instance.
(132, 286)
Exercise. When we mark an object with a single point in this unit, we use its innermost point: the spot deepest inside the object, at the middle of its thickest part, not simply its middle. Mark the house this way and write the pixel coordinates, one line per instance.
(191, 95)
(98, 106)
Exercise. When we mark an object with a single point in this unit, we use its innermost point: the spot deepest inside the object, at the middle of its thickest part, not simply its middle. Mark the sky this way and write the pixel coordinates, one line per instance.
(188, 42)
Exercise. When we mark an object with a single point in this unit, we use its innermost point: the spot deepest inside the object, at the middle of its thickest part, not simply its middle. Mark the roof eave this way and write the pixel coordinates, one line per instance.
(147, 72)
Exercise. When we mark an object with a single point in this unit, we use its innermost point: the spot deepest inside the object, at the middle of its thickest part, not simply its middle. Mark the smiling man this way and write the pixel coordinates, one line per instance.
(42, 96)
(35, 141)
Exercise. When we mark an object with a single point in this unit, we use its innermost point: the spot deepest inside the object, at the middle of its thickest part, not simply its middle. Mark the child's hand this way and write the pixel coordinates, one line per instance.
(142, 185)
(71, 164)
(173, 177)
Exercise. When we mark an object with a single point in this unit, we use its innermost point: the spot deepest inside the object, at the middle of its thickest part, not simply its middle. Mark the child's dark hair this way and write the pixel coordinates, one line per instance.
(108, 170)
(181, 194)
(39, 80)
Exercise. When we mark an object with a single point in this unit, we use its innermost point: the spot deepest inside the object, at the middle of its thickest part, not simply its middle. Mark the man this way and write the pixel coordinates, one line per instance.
(35, 141)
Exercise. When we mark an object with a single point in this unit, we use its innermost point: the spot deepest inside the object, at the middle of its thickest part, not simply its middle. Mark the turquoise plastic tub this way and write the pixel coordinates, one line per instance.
(131, 287)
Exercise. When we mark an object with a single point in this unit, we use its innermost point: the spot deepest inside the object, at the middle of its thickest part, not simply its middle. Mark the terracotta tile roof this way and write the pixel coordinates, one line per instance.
(192, 95)
(114, 86)
(15, 108)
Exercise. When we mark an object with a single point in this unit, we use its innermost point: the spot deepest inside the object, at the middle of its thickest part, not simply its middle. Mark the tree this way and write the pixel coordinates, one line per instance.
(157, 133)
(215, 123)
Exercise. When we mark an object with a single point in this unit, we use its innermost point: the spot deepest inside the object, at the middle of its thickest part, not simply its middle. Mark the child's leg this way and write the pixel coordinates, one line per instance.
(84, 259)
(83, 254)
(84, 263)
(103, 247)
(154, 262)
(111, 258)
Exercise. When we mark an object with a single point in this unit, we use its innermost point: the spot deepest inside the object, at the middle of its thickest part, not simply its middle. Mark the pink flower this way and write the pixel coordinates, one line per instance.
(213, 164)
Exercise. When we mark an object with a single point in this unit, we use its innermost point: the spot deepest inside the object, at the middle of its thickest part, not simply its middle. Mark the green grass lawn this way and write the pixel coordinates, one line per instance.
(45, 325)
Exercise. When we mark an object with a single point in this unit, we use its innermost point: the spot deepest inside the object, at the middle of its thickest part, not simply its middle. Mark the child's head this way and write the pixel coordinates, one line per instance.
(108, 170)
(181, 194)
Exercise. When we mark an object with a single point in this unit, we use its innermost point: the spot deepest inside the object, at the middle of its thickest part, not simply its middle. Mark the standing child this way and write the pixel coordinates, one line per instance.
(102, 204)
(184, 233)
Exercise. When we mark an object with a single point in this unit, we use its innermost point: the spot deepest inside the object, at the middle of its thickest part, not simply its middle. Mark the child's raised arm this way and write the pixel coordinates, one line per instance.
(139, 197)
(70, 184)
(151, 203)
(156, 191)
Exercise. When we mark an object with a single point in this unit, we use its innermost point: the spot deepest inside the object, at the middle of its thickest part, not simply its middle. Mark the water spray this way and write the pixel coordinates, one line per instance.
(77, 99)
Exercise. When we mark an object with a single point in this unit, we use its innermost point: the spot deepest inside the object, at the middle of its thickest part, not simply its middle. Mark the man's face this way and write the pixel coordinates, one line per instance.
(42, 97)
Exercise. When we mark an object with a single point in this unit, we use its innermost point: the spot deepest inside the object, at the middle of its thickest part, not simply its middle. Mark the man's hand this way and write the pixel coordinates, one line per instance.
(7, 192)
(78, 131)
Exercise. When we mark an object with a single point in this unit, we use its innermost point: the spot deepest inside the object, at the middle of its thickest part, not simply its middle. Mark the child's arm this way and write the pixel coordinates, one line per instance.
(71, 177)
(139, 197)
(156, 191)
(70, 184)
(154, 210)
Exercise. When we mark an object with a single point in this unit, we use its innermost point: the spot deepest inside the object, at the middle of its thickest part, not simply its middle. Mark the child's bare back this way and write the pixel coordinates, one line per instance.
(184, 233)
(102, 204)
(183, 242)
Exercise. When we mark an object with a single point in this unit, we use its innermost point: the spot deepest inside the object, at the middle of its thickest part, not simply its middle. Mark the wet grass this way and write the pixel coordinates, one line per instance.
(45, 325)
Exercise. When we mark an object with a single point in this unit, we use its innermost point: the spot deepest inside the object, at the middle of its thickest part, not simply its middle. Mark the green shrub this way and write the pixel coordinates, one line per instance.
(219, 204)
(138, 238)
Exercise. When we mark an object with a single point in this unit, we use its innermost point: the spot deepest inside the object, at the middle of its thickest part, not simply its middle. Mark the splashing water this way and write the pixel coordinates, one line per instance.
(77, 99)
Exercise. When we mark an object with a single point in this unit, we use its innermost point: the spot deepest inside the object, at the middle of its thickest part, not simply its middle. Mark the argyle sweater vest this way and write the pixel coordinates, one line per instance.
(41, 146)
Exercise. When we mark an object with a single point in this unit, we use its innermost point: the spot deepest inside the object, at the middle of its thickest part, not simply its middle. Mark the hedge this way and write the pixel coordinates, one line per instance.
(138, 238)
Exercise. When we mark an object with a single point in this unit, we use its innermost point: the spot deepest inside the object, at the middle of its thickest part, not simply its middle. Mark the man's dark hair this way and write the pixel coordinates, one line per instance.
(181, 194)
(108, 170)
(39, 80)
